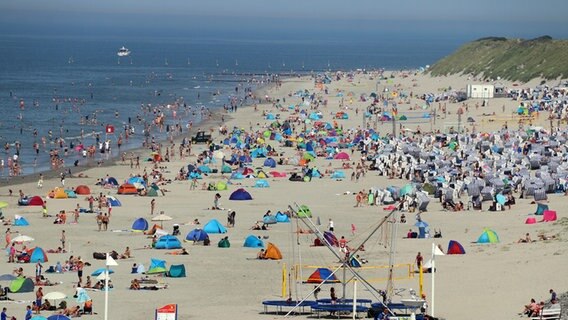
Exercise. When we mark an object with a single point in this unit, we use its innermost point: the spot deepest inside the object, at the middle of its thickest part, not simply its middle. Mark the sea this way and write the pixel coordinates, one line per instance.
(49, 84)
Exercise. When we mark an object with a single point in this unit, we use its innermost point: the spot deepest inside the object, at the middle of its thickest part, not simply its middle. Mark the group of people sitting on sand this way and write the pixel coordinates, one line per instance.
(71, 312)
(136, 284)
(542, 237)
(533, 309)
(61, 217)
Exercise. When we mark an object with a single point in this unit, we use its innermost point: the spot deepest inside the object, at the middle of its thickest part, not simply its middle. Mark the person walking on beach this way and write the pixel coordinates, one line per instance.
(419, 260)
(29, 312)
(330, 226)
(62, 239)
(76, 214)
(39, 297)
(40, 181)
(109, 207)
(62, 179)
(80, 266)
(152, 206)
(99, 220)
(8, 237)
(38, 269)
(91, 203)
(216, 202)
(105, 221)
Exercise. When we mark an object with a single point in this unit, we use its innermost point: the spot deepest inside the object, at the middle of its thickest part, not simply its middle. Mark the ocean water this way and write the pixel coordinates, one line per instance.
(36, 70)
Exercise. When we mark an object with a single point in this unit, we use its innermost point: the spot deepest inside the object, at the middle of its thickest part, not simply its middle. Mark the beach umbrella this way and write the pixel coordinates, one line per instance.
(100, 271)
(138, 185)
(421, 224)
(103, 276)
(55, 295)
(162, 217)
(58, 317)
(3, 204)
(23, 238)
(7, 277)
(39, 318)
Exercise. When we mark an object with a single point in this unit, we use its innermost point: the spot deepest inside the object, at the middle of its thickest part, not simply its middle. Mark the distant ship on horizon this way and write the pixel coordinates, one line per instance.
(123, 52)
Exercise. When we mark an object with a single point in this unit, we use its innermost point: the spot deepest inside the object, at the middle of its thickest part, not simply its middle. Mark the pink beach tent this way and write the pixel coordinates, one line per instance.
(549, 215)
(530, 220)
(277, 174)
(342, 156)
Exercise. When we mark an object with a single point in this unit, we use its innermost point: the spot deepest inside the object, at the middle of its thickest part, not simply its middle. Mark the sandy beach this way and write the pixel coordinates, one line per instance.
(489, 281)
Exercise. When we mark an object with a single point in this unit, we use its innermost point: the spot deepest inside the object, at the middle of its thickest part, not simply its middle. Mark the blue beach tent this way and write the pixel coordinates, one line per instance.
(140, 225)
(38, 255)
(270, 162)
(261, 183)
(214, 226)
(282, 218)
(20, 221)
(269, 220)
(196, 235)
(253, 242)
(240, 195)
(168, 242)
(338, 175)
(113, 201)
(113, 181)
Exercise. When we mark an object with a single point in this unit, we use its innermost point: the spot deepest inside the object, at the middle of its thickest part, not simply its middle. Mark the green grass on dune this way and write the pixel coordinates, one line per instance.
(510, 59)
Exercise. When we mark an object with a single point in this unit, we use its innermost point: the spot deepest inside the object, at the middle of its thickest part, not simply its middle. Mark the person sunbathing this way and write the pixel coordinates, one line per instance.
(178, 252)
(46, 306)
(126, 254)
(72, 312)
(58, 250)
(100, 285)
(526, 239)
(19, 272)
(45, 282)
(544, 237)
(134, 284)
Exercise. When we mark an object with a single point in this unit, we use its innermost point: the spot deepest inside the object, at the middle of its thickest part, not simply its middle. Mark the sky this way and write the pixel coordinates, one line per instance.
(242, 19)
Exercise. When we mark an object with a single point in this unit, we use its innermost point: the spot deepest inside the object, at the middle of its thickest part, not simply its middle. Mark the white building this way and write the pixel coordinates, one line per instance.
(480, 91)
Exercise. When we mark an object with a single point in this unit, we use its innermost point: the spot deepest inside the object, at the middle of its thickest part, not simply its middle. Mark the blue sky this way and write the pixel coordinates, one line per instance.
(273, 18)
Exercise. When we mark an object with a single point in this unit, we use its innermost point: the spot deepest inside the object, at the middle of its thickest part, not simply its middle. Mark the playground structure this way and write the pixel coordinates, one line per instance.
(372, 274)
(340, 273)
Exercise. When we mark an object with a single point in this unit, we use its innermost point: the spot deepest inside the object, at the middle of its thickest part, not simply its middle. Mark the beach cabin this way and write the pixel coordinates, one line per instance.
(480, 91)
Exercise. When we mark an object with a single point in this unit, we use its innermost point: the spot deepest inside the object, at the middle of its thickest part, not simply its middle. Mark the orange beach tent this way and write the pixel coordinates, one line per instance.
(272, 252)
(127, 188)
(82, 190)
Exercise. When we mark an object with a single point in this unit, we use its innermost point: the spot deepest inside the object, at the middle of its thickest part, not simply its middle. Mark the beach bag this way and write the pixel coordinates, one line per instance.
(99, 256)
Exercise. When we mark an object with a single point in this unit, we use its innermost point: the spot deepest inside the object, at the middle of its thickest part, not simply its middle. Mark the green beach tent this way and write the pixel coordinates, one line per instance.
(304, 212)
(488, 236)
(21, 285)
(224, 243)
(177, 271)
(221, 186)
(226, 169)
